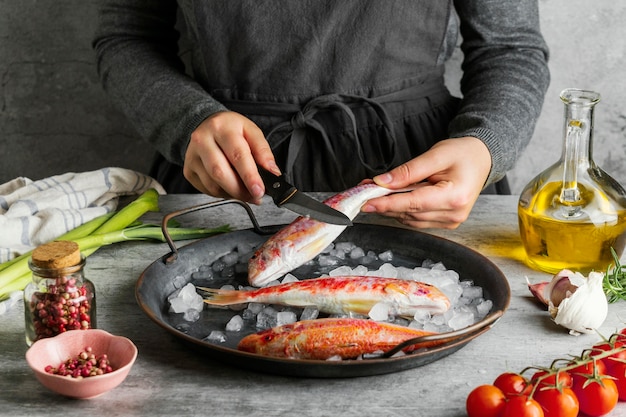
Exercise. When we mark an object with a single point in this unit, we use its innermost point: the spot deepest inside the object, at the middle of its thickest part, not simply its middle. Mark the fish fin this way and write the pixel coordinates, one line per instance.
(395, 288)
(219, 297)
(358, 306)
(316, 246)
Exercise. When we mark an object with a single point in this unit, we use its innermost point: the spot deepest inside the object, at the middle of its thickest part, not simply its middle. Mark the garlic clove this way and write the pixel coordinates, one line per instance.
(562, 286)
(537, 290)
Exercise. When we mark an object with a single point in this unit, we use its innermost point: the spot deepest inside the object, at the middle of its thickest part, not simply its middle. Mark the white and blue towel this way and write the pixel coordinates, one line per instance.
(36, 212)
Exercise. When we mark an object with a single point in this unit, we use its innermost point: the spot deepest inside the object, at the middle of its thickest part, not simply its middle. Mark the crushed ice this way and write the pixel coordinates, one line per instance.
(468, 304)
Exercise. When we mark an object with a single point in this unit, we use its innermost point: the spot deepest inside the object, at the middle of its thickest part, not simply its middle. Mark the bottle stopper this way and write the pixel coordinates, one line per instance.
(56, 255)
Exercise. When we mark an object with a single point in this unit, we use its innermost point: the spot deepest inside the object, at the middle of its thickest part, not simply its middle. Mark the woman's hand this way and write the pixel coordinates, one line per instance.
(222, 156)
(446, 180)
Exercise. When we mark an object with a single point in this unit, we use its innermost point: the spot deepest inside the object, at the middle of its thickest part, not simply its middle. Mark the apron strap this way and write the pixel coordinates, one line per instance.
(304, 119)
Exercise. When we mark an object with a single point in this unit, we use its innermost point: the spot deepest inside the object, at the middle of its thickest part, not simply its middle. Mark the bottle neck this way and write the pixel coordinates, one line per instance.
(577, 142)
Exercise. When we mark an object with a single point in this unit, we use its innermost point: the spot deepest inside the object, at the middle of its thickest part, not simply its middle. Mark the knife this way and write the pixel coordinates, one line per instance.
(287, 196)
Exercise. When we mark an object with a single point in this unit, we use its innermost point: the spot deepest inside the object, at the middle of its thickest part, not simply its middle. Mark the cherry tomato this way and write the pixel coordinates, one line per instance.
(485, 401)
(513, 384)
(596, 397)
(522, 406)
(618, 371)
(606, 346)
(586, 369)
(565, 379)
(557, 402)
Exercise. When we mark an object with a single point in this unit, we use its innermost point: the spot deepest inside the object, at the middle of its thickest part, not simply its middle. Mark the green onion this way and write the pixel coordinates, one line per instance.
(615, 280)
(104, 230)
(81, 231)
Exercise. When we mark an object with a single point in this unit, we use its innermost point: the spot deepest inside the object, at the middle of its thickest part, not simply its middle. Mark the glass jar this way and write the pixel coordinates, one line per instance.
(573, 214)
(59, 298)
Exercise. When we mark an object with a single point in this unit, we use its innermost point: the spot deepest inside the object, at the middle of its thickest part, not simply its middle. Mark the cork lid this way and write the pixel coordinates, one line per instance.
(57, 254)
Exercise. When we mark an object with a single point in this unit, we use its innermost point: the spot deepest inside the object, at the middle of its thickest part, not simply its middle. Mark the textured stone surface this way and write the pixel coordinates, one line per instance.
(55, 118)
(170, 378)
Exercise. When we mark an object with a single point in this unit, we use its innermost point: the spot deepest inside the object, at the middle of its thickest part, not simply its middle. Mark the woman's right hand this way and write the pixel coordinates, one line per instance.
(222, 156)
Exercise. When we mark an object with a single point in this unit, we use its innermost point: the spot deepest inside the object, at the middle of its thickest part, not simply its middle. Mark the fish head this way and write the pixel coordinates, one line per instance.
(268, 342)
(267, 264)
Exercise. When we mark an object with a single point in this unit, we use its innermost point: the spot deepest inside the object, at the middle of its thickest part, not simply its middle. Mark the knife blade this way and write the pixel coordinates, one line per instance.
(287, 196)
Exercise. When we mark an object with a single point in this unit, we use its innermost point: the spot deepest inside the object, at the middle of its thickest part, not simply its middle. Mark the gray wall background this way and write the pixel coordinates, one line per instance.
(54, 117)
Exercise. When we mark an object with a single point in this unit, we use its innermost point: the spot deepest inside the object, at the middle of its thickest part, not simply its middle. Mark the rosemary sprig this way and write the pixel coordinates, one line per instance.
(614, 282)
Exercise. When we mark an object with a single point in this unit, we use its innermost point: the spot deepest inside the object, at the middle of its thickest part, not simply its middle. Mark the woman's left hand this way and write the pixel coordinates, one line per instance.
(446, 182)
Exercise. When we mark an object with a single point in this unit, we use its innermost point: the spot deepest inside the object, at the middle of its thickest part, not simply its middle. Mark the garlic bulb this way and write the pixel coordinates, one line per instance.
(574, 302)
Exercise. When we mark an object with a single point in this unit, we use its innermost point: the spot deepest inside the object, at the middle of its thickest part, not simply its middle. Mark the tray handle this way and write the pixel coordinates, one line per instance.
(173, 255)
(465, 333)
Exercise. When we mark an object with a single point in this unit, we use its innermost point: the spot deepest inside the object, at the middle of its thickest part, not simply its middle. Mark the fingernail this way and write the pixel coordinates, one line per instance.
(368, 208)
(257, 191)
(383, 178)
(274, 168)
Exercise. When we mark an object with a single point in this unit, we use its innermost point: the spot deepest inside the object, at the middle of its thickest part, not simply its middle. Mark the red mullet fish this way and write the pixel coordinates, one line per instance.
(322, 339)
(305, 238)
(341, 295)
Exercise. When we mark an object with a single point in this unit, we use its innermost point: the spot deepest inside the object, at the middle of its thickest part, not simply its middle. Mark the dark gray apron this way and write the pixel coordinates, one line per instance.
(329, 142)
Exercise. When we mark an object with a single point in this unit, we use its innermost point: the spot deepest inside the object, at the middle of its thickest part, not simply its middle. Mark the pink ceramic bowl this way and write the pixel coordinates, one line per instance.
(55, 350)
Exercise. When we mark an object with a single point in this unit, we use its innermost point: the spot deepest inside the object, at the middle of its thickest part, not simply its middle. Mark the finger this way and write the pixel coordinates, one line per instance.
(237, 152)
(209, 170)
(424, 197)
(411, 172)
(260, 148)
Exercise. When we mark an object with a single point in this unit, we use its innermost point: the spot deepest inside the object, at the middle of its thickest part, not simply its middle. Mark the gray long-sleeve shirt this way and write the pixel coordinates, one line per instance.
(294, 51)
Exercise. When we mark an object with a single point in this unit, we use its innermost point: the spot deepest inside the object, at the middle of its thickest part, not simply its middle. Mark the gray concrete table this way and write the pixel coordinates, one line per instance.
(170, 379)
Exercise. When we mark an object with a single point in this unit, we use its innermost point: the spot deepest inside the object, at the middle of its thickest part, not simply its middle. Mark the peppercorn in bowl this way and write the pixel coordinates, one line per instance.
(82, 363)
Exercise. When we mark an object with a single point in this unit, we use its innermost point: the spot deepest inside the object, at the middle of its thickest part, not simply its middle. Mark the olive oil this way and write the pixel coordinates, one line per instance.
(558, 237)
(572, 214)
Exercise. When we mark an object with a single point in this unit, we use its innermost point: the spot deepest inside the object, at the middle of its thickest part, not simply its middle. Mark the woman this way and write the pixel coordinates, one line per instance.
(332, 92)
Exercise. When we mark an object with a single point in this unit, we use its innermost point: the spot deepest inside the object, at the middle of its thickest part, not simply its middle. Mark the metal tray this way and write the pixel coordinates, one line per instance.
(410, 248)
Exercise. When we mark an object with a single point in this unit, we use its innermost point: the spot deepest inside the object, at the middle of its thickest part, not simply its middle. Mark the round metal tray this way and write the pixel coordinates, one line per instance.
(410, 248)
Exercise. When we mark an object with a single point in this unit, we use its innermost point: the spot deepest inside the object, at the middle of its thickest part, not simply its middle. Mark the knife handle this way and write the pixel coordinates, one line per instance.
(276, 186)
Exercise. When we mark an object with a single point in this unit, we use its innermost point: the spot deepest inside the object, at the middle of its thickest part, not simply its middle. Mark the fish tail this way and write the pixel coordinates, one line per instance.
(218, 297)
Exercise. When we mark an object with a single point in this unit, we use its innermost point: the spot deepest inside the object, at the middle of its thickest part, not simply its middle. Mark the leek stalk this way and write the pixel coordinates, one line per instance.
(104, 230)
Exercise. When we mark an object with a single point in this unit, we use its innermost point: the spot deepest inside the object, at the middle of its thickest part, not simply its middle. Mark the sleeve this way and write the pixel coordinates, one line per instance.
(136, 45)
(505, 77)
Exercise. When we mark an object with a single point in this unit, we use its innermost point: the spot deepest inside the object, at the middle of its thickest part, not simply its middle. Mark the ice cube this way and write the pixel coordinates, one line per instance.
(386, 256)
(357, 253)
(380, 312)
(360, 270)
(484, 308)
(309, 313)
(216, 337)
(179, 281)
(285, 317)
(345, 247)
(266, 318)
(462, 318)
(289, 278)
(234, 324)
(387, 270)
(472, 292)
(340, 271)
(178, 305)
(191, 315)
(421, 316)
(328, 261)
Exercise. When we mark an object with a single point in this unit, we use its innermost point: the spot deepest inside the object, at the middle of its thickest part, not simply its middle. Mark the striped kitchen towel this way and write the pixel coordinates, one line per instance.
(36, 212)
